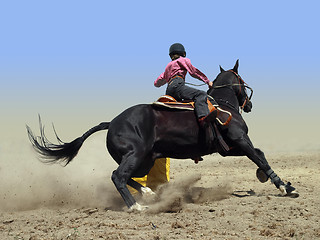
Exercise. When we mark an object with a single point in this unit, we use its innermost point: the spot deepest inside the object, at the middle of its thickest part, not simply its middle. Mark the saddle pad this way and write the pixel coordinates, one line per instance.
(169, 102)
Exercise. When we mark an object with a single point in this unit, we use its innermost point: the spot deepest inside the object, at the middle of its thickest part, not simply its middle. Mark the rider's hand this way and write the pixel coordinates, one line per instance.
(210, 84)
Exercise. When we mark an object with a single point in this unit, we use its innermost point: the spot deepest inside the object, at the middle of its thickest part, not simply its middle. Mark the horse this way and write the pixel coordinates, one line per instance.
(142, 133)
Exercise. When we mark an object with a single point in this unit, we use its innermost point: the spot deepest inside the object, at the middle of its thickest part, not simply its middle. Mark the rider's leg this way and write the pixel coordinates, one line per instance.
(180, 91)
(211, 116)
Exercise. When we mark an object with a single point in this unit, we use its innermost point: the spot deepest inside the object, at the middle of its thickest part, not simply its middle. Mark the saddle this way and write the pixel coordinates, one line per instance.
(167, 101)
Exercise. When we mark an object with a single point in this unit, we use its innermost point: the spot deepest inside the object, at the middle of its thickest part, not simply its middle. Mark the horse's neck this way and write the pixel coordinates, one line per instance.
(226, 95)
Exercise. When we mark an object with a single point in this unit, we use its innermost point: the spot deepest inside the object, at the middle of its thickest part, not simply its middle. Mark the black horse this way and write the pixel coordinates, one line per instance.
(143, 133)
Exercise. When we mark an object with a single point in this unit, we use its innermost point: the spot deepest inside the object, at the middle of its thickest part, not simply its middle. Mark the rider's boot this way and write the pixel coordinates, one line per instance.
(205, 121)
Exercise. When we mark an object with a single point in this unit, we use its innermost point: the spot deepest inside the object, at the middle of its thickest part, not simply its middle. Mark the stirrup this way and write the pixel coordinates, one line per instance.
(210, 117)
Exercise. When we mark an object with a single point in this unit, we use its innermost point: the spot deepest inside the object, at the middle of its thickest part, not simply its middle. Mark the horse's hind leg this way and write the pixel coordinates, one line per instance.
(120, 183)
(134, 184)
(140, 188)
(122, 175)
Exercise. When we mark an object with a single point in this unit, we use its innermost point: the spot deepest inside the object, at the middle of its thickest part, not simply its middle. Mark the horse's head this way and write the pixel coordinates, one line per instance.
(231, 80)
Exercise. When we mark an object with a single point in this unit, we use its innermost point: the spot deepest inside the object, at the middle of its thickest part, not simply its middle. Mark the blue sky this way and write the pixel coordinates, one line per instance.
(96, 58)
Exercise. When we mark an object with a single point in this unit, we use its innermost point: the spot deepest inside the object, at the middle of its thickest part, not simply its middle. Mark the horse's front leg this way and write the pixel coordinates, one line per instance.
(263, 175)
(264, 171)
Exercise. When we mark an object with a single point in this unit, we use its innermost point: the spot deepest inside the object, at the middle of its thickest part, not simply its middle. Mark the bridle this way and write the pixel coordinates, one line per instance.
(240, 84)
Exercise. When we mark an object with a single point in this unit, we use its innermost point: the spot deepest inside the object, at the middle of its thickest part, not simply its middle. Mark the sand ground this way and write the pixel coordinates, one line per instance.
(219, 198)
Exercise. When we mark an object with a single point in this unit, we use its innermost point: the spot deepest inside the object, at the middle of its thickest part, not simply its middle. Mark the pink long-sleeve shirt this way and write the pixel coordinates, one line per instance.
(179, 67)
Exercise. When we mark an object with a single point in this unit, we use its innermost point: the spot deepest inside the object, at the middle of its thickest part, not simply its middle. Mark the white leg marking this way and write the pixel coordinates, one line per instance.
(283, 190)
(137, 207)
(147, 191)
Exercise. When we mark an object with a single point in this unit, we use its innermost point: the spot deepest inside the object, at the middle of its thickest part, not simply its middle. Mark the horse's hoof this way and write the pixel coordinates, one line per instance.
(137, 207)
(261, 175)
(288, 191)
(293, 194)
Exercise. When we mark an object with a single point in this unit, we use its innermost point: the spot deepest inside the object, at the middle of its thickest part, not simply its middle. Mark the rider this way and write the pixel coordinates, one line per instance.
(174, 75)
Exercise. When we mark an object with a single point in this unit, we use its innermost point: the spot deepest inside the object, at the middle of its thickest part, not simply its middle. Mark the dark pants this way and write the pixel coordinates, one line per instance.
(178, 90)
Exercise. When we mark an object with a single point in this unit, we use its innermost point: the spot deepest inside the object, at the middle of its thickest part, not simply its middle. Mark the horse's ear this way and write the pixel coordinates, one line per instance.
(221, 69)
(235, 68)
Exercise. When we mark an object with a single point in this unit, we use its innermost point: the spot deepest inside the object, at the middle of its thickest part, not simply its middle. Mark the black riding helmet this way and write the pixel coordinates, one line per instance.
(177, 48)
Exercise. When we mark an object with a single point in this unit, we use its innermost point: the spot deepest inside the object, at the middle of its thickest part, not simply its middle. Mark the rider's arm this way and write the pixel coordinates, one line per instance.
(194, 72)
(160, 81)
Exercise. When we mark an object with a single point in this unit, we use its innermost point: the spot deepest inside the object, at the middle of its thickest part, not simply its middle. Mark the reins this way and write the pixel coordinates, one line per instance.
(241, 84)
(196, 85)
(230, 84)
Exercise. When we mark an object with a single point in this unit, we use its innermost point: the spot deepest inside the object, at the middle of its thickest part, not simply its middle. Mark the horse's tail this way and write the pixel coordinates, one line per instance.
(62, 152)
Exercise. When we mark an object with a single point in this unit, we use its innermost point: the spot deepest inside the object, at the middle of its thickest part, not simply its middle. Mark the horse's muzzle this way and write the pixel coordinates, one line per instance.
(247, 108)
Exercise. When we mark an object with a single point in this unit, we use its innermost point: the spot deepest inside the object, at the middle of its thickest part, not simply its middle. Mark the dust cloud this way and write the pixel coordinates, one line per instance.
(26, 183)
(173, 196)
